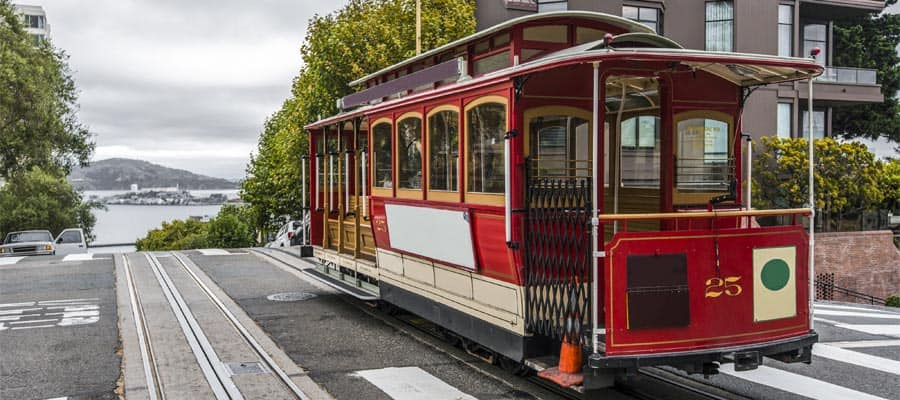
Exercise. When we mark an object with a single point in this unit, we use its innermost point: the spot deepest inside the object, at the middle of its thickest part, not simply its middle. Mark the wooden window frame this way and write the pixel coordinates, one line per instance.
(492, 199)
(451, 196)
(380, 191)
(401, 193)
(697, 197)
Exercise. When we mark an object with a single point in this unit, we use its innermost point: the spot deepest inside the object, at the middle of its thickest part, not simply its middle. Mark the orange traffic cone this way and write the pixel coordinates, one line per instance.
(568, 373)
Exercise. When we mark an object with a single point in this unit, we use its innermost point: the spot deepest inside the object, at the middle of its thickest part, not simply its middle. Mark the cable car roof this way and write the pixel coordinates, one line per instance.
(610, 19)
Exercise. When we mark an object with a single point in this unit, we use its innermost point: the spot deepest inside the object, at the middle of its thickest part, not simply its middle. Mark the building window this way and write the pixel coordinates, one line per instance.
(381, 155)
(443, 150)
(486, 126)
(818, 124)
(816, 35)
(785, 30)
(34, 21)
(409, 153)
(719, 25)
(702, 156)
(785, 116)
(645, 15)
(552, 5)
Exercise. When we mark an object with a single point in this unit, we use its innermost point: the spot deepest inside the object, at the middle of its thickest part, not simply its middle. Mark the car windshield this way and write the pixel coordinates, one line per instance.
(20, 237)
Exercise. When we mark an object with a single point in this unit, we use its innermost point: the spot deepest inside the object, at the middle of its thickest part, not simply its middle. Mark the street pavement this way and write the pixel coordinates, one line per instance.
(58, 334)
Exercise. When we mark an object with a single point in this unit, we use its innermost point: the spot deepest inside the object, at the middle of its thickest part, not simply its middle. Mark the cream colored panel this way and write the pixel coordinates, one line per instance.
(454, 282)
(494, 295)
(390, 262)
(421, 271)
(348, 262)
(332, 258)
(318, 252)
(366, 268)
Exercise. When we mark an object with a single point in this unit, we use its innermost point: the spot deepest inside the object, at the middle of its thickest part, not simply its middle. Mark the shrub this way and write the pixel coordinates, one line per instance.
(893, 301)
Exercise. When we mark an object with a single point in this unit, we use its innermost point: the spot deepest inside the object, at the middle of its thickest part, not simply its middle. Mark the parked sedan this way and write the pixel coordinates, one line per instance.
(27, 243)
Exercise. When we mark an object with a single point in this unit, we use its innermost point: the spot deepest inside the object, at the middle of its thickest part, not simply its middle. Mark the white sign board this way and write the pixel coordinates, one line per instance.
(444, 235)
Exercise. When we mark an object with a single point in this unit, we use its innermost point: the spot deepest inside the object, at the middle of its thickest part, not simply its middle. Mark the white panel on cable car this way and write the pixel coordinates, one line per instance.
(439, 234)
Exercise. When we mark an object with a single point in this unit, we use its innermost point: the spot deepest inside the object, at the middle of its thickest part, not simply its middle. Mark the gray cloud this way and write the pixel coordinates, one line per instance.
(187, 84)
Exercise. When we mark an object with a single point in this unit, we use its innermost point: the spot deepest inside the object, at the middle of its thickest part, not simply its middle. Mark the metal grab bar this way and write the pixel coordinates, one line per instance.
(703, 214)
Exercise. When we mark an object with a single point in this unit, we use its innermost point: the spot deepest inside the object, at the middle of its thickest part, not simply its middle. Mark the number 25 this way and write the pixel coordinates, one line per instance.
(715, 287)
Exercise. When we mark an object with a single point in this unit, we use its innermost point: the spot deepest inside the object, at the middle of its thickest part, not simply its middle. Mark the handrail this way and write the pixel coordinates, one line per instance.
(851, 293)
(703, 214)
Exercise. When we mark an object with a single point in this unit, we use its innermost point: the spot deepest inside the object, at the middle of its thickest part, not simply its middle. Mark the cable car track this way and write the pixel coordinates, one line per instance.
(214, 370)
(414, 325)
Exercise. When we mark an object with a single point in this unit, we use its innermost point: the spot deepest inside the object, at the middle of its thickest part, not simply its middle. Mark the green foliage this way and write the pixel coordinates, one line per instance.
(38, 105)
(870, 41)
(175, 235)
(37, 199)
(890, 185)
(847, 176)
(229, 229)
(893, 301)
(363, 37)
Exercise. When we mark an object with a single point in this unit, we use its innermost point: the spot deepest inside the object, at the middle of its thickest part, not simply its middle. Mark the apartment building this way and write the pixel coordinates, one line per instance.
(776, 27)
(35, 20)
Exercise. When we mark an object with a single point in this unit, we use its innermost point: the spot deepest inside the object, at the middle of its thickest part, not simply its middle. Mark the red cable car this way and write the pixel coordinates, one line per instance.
(565, 180)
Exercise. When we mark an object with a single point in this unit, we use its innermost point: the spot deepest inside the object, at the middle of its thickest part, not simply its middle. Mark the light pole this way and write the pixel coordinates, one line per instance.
(812, 199)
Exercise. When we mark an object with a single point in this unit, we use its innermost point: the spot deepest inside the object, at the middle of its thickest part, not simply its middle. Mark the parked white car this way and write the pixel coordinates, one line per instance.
(71, 241)
(27, 243)
(287, 233)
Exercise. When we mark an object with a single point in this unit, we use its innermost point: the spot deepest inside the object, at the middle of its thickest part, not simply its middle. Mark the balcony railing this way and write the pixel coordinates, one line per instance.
(854, 76)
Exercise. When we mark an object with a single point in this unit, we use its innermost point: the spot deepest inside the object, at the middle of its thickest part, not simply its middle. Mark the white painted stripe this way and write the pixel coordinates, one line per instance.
(9, 260)
(412, 383)
(66, 398)
(79, 257)
(33, 321)
(798, 384)
(26, 304)
(857, 358)
(32, 327)
(887, 330)
(834, 313)
(58, 302)
(214, 252)
(864, 344)
(842, 307)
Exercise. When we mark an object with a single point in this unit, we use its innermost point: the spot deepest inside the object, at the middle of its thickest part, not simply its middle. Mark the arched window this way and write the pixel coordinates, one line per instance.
(703, 152)
(409, 152)
(382, 170)
(485, 130)
(443, 150)
(559, 141)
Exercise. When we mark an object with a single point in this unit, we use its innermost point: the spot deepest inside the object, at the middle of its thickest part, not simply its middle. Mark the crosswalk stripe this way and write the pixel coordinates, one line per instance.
(78, 257)
(857, 358)
(798, 384)
(834, 313)
(412, 383)
(872, 329)
(214, 252)
(864, 343)
(10, 260)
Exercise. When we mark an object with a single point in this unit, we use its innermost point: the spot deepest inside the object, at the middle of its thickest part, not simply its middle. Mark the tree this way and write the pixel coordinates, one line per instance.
(38, 106)
(37, 199)
(175, 235)
(890, 185)
(847, 177)
(230, 228)
(362, 37)
(870, 41)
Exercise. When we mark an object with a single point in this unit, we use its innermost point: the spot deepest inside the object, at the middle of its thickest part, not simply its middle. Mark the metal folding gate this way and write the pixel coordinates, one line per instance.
(557, 253)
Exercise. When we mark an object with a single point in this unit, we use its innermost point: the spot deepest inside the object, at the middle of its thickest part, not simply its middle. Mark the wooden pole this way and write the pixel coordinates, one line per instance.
(418, 27)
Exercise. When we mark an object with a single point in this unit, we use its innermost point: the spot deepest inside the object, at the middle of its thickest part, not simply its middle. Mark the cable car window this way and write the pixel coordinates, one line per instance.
(561, 145)
(640, 151)
(409, 153)
(584, 35)
(443, 150)
(702, 161)
(546, 33)
(491, 63)
(332, 158)
(381, 156)
(323, 160)
(486, 126)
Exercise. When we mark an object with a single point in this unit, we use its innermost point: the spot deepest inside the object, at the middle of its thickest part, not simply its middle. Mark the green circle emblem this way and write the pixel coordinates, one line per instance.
(775, 274)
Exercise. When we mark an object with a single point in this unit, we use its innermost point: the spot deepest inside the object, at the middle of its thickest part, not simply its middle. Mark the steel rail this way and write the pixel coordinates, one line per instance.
(703, 214)
(282, 376)
(213, 370)
(151, 372)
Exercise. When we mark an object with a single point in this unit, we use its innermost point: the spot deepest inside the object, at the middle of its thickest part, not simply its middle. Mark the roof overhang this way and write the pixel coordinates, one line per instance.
(610, 19)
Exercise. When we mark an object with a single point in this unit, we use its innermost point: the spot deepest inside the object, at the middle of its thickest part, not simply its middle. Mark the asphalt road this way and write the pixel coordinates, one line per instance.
(58, 332)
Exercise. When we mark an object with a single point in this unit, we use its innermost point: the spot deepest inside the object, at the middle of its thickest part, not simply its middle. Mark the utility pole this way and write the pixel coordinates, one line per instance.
(418, 27)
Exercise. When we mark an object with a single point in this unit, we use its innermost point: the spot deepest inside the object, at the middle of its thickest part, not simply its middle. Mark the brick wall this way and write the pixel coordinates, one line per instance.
(866, 262)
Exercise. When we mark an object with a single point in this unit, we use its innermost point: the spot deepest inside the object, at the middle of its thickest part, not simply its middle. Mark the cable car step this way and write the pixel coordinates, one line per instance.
(546, 368)
(340, 285)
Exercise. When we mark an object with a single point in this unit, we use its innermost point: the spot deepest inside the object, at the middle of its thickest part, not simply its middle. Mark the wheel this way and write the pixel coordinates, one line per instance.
(514, 367)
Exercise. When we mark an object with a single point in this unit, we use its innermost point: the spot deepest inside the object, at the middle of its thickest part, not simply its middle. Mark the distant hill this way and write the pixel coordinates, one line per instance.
(120, 173)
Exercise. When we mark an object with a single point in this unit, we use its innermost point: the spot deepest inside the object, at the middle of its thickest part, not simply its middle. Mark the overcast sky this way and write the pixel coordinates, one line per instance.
(186, 84)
